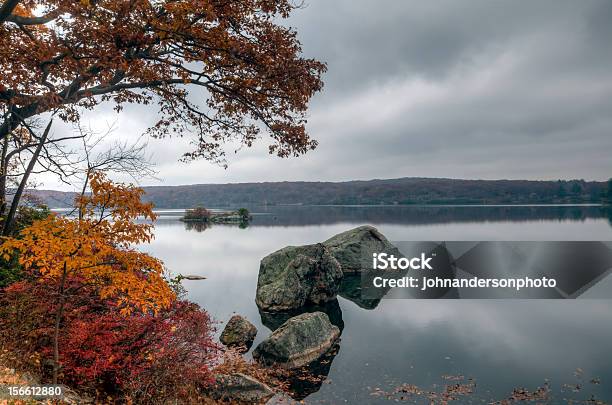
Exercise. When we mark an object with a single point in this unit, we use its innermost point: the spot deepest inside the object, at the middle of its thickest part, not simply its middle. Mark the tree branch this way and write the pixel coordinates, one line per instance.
(19, 20)
(7, 9)
(8, 224)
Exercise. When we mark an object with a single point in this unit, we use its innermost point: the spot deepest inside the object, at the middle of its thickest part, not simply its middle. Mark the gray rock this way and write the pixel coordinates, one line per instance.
(298, 342)
(238, 332)
(192, 277)
(240, 388)
(296, 276)
(350, 289)
(354, 248)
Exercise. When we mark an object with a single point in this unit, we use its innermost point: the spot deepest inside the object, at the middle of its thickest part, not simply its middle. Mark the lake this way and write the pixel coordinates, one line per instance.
(489, 347)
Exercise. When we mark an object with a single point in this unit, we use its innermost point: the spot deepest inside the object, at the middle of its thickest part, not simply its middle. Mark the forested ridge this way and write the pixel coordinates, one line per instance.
(402, 191)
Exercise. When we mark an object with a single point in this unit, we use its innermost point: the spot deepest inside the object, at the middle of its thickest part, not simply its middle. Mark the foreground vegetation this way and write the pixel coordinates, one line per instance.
(79, 303)
(85, 308)
(89, 310)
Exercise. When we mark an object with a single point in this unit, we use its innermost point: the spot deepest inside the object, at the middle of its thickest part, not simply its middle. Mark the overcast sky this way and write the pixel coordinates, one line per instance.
(470, 89)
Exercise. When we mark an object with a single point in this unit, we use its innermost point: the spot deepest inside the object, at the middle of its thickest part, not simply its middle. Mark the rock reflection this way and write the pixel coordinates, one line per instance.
(309, 379)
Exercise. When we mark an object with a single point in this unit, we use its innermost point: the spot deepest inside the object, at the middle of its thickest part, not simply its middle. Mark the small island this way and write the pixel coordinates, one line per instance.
(240, 216)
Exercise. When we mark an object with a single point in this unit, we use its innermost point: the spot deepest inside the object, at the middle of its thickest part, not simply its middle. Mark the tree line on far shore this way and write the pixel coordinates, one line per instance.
(403, 191)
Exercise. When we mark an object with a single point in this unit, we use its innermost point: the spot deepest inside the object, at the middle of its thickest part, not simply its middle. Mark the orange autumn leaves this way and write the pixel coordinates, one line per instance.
(98, 247)
(244, 68)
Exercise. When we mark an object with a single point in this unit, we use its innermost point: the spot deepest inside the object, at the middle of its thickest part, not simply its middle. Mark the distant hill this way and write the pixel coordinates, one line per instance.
(392, 191)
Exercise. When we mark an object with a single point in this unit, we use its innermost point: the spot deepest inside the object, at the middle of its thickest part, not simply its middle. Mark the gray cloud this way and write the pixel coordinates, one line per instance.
(471, 89)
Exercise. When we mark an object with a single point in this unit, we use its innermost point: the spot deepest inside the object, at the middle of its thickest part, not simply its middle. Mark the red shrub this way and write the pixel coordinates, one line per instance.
(143, 356)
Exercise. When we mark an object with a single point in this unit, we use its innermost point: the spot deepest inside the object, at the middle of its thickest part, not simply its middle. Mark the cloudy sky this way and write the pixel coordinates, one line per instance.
(471, 89)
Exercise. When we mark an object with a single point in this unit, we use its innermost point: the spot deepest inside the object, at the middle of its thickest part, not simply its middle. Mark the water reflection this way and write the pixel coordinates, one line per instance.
(202, 226)
(502, 344)
(197, 226)
(309, 379)
(607, 212)
(312, 215)
(415, 215)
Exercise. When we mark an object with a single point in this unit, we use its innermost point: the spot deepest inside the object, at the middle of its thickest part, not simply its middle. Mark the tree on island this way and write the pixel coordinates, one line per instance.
(243, 213)
(197, 214)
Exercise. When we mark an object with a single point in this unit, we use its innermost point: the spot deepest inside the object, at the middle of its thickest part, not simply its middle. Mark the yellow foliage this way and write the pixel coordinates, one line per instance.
(98, 247)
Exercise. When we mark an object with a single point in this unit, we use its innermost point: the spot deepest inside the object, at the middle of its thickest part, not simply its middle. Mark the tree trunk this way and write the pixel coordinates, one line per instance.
(59, 313)
(3, 176)
(10, 218)
(85, 183)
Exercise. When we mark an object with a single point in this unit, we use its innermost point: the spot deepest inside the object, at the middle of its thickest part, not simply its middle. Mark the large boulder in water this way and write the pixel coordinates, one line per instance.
(296, 276)
(354, 248)
(299, 341)
(239, 333)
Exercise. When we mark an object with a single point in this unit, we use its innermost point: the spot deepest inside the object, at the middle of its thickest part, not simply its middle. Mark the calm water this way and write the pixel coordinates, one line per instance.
(500, 344)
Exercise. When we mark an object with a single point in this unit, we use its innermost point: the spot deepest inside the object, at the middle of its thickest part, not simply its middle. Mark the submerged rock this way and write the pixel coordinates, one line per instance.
(240, 388)
(353, 249)
(274, 320)
(299, 341)
(238, 332)
(296, 276)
